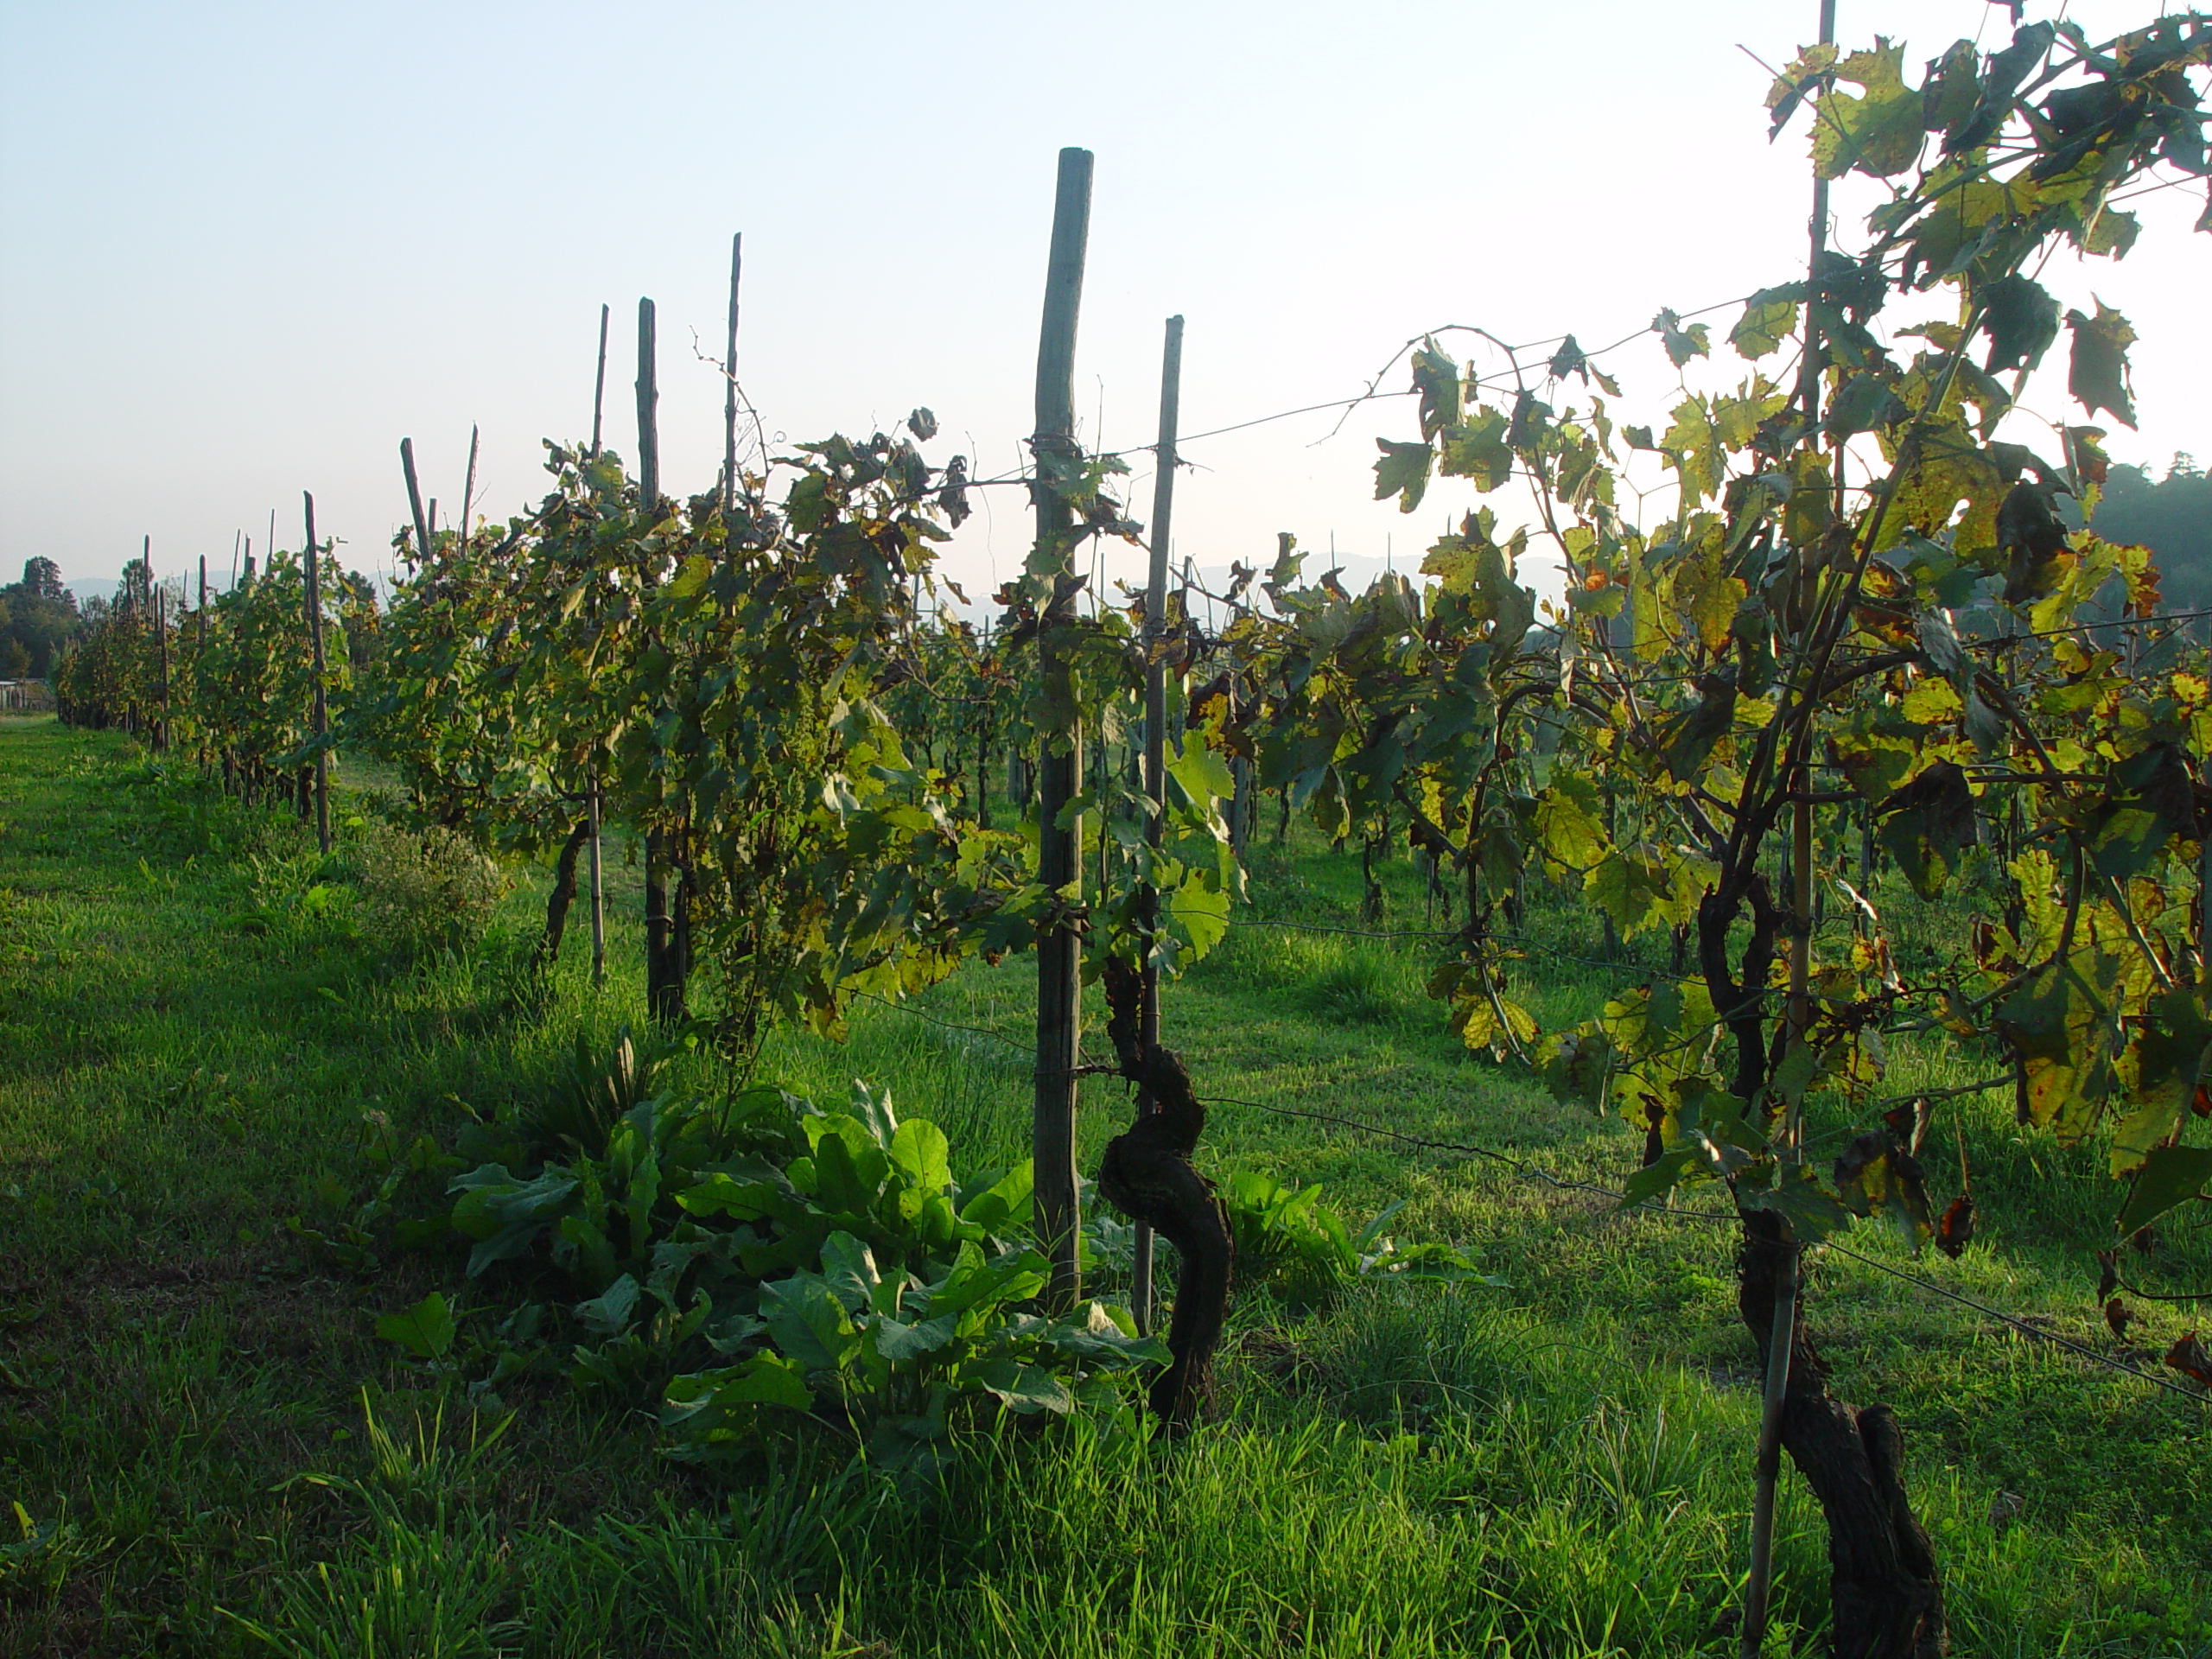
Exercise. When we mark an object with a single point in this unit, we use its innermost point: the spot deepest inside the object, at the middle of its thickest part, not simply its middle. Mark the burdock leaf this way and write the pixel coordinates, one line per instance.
(424, 1329)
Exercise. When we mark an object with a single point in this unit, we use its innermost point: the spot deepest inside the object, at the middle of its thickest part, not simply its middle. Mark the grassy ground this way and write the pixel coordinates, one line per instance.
(212, 1454)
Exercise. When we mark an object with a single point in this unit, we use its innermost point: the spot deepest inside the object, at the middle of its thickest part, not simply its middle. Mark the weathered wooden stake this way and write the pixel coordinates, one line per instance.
(468, 487)
(648, 390)
(1060, 854)
(664, 977)
(1767, 1467)
(598, 891)
(415, 498)
(1156, 744)
(729, 381)
(599, 384)
(321, 713)
(161, 638)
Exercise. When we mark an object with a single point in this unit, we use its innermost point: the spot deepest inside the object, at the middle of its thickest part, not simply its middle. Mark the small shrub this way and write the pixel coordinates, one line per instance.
(423, 892)
(1295, 1246)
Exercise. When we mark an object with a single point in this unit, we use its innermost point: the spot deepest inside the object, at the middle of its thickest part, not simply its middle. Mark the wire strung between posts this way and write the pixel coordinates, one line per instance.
(1529, 1172)
(1723, 1217)
(1521, 940)
(2021, 1326)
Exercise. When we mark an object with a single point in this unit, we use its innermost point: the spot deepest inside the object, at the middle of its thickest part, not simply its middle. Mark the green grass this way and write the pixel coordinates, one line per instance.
(218, 1456)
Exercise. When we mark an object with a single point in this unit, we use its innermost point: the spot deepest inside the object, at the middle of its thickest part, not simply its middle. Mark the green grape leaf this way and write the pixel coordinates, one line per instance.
(2171, 1176)
(1402, 472)
(1770, 318)
(2098, 375)
(1682, 344)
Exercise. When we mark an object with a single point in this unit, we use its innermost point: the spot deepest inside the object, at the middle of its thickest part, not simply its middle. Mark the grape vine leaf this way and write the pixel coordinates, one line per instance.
(1879, 133)
(2021, 319)
(2171, 1176)
(1770, 318)
(2098, 375)
(1403, 472)
(1682, 344)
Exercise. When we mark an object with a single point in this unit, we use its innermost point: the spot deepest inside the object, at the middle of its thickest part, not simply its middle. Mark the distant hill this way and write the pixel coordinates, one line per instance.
(2173, 517)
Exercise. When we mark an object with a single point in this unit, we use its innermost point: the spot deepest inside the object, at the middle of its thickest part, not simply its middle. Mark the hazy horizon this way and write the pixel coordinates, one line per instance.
(251, 247)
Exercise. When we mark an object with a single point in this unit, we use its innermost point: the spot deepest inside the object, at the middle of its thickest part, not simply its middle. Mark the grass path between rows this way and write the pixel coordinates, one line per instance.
(213, 1454)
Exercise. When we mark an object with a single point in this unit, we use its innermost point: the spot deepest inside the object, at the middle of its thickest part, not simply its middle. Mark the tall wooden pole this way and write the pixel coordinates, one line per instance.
(161, 638)
(599, 384)
(729, 381)
(1155, 745)
(142, 603)
(321, 719)
(468, 487)
(648, 390)
(1767, 1467)
(415, 498)
(1059, 753)
(202, 613)
(598, 886)
(664, 990)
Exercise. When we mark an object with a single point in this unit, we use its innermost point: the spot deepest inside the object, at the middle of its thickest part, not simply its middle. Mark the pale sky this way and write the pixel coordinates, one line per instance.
(245, 248)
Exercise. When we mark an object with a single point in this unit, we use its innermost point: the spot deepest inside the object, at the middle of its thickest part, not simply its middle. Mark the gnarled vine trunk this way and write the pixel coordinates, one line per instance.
(1884, 1593)
(1146, 1173)
(1883, 1588)
(564, 895)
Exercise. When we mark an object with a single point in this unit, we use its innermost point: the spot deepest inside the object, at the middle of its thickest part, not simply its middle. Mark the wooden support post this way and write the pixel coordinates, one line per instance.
(1767, 1465)
(598, 889)
(1059, 753)
(729, 381)
(414, 499)
(648, 390)
(320, 713)
(162, 643)
(599, 384)
(1156, 747)
(663, 972)
(468, 485)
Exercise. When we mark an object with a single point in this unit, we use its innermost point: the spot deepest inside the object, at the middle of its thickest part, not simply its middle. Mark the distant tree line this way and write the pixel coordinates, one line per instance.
(38, 615)
(2173, 517)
